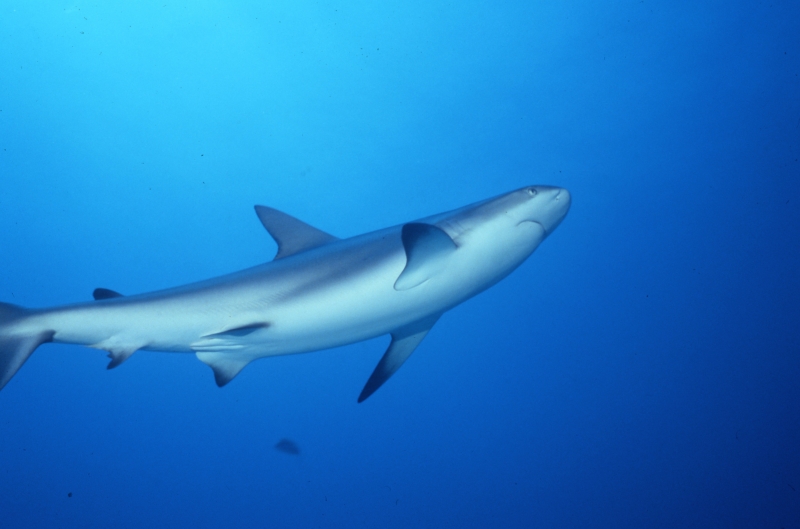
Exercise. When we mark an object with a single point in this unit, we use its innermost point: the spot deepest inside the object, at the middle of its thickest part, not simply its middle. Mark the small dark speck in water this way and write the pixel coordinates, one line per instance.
(69, 494)
(287, 446)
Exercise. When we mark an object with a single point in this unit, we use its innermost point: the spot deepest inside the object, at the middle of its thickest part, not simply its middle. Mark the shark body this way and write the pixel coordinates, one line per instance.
(319, 292)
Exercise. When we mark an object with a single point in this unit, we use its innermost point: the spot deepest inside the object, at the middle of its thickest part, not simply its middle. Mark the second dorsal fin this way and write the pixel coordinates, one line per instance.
(292, 235)
(104, 293)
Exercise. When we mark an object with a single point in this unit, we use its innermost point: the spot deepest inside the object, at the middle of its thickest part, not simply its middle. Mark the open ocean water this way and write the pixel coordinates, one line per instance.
(640, 369)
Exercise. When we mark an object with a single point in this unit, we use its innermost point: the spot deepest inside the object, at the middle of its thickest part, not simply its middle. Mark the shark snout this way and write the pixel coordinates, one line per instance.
(550, 206)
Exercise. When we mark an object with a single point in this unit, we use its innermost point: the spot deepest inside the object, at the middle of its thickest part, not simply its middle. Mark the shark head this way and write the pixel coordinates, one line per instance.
(535, 210)
(481, 243)
(543, 205)
(513, 225)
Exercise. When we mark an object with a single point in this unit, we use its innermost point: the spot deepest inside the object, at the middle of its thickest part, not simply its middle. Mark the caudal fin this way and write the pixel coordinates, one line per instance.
(16, 345)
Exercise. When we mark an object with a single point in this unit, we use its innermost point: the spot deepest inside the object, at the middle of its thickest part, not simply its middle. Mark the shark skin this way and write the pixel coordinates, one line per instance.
(318, 293)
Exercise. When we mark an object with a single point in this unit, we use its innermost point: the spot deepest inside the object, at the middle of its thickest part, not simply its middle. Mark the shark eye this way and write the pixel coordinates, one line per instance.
(531, 191)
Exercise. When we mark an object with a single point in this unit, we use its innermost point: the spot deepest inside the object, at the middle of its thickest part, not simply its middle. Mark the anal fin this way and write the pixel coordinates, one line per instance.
(119, 355)
(226, 365)
(119, 349)
(404, 341)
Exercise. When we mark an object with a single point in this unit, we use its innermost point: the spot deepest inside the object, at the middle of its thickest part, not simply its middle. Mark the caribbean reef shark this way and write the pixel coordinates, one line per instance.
(319, 292)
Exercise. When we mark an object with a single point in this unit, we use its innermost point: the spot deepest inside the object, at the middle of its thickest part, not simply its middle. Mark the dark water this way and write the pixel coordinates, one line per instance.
(641, 369)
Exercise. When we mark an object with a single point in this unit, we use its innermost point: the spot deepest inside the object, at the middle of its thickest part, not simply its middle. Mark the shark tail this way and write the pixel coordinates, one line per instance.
(16, 342)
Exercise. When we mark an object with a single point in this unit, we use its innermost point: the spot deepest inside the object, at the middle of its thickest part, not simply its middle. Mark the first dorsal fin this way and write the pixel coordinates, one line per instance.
(104, 293)
(292, 235)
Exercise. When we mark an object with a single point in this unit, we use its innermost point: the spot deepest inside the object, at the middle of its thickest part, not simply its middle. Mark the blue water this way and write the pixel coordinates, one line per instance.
(641, 369)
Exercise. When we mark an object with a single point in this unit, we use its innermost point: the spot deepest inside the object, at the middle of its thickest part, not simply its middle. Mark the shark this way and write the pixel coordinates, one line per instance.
(319, 292)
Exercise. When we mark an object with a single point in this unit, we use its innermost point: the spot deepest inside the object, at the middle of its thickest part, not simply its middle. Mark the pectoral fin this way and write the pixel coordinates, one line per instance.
(427, 248)
(404, 341)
